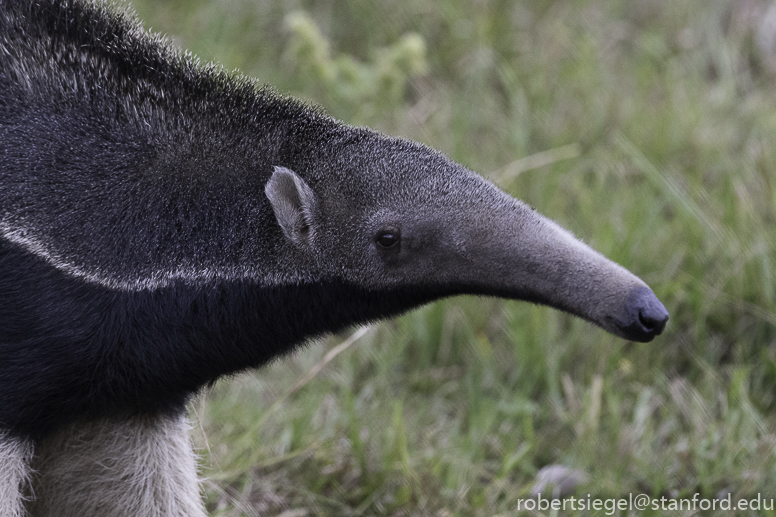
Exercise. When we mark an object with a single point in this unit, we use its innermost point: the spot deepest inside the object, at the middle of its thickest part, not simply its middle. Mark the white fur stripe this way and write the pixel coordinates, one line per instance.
(157, 278)
(59, 261)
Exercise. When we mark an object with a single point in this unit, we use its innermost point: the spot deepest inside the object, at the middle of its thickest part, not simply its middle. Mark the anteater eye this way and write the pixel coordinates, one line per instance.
(387, 238)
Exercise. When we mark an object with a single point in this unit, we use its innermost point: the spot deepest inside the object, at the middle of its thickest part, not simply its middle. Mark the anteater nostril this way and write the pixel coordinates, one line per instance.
(645, 322)
(653, 319)
(646, 315)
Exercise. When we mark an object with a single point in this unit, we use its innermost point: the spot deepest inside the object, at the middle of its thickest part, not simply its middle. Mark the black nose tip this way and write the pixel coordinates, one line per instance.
(653, 320)
(646, 315)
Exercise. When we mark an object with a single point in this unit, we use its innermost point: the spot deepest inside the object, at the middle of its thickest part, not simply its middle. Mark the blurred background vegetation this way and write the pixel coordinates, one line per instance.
(647, 128)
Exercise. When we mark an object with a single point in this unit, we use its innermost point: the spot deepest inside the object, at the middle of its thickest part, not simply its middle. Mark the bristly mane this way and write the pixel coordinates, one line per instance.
(97, 114)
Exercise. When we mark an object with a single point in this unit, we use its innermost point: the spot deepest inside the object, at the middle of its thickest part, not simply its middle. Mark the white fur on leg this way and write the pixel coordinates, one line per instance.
(15, 456)
(138, 467)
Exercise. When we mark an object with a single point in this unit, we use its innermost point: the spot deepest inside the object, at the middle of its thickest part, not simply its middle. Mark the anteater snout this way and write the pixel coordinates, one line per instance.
(645, 315)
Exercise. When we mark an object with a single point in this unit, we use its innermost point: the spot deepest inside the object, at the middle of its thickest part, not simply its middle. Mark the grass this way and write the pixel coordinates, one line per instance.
(644, 127)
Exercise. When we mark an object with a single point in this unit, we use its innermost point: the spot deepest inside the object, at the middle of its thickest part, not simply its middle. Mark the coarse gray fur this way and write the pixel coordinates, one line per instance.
(164, 223)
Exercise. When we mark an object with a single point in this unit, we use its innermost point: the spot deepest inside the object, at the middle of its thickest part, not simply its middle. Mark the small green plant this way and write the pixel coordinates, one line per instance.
(366, 88)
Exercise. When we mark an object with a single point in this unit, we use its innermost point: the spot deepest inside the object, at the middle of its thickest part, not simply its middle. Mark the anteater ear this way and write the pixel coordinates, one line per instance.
(293, 202)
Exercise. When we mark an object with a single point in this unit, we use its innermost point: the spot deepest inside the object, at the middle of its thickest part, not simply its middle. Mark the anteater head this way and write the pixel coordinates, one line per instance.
(392, 214)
